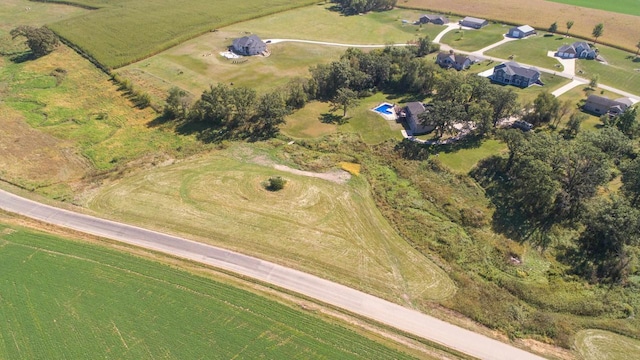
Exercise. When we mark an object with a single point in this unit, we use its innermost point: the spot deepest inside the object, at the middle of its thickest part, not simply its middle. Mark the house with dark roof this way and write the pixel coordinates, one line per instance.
(433, 19)
(248, 45)
(520, 32)
(450, 60)
(577, 50)
(601, 105)
(474, 22)
(512, 73)
(411, 114)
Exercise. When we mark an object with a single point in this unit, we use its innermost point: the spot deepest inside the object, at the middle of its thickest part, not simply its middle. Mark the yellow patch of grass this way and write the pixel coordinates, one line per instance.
(352, 168)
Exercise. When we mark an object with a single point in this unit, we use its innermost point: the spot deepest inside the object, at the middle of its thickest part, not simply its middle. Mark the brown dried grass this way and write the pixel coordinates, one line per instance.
(620, 30)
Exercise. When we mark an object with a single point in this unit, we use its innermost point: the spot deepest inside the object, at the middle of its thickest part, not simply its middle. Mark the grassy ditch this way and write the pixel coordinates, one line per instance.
(68, 299)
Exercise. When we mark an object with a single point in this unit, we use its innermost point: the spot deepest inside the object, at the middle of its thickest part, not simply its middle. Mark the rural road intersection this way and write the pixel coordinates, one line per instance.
(383, 311)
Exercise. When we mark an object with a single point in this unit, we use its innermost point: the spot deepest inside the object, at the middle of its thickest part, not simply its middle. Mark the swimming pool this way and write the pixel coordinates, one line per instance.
(385, 109)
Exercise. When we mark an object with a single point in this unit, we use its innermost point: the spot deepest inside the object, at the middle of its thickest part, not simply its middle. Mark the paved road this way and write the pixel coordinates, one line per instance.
(326, 291)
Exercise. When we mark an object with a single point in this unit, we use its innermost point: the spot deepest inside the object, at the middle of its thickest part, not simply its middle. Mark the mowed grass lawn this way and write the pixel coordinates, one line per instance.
(319, 23)
(197, 64)
(472, 40)
(604, 345)
(532, 50)
(631, 7)
(121, 32)
(463, 160)
(622, 70)
(66, 299)
(329, 229)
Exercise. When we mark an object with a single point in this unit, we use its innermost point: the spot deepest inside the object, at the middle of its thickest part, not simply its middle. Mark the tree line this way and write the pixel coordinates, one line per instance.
(362, 6)
(549, 186)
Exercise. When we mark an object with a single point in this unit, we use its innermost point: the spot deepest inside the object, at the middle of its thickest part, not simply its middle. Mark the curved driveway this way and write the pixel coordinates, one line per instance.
(312, 286)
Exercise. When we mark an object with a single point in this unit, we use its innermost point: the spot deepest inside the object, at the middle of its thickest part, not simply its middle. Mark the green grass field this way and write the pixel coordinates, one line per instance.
(463, 160)
(605, 345)
(532, 51)
(630, 7)
(65, 299)
(622, 70)
(472, 40)
(307, 122)
(122, 32)
(551, 82)
(329, 229)
(196, 64)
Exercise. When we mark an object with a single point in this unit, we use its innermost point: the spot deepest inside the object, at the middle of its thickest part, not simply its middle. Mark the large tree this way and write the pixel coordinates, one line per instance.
(545, 108)
(598, 30)
(504, 102)
(554, 27)
(344, 99)
(41, 41)
(442, 115)
(631, 181)
(606, 246)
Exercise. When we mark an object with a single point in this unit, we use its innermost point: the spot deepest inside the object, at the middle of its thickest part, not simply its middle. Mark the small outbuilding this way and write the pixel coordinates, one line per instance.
(248, 45)
(433, 19)
(474, 22)
(520, 32)
(601, 105)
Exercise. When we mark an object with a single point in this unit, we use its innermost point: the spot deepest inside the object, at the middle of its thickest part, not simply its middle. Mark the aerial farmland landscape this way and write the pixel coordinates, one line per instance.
(344, 179)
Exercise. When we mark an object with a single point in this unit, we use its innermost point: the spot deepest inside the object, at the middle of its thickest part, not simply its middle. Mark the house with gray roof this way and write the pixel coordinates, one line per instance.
(411, 114)
(474, 22)
(601, 105)
(577, 50)
(248, 45)
(512, 73)
(450, 60)
(520, 32)
(433, 19)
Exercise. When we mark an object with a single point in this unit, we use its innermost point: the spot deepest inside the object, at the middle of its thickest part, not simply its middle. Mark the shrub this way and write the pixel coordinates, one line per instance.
(275, 183)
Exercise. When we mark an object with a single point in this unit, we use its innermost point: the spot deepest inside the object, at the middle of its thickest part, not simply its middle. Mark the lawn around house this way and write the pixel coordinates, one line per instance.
(67, 299)
(622, 70)
(472, 40)
(532, 50)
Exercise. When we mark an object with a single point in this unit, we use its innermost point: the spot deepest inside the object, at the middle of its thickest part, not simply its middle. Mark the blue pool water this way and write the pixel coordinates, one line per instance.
(384, 109)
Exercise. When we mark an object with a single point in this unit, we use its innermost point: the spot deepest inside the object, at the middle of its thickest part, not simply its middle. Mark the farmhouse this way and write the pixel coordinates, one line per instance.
(520, 32)
(248, 45)
(512, 73)
(601, 105)
(449, 60)
(474, 22)
(577, 50)
(434, 19)
(410, 114)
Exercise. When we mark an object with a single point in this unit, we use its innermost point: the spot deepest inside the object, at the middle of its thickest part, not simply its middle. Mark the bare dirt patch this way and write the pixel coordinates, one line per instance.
(540, 14)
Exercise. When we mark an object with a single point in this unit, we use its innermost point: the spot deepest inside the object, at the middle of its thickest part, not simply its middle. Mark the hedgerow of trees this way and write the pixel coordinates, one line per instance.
(362, 6)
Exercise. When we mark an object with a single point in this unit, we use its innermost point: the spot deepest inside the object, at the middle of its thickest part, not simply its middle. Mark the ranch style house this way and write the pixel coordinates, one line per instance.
(577, 50)
(433, 19)
(248, 45)
(410, 115)
(450, 60)
(601, 105)
(512, 73)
